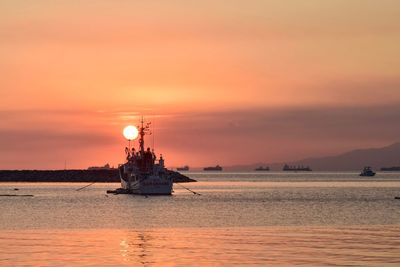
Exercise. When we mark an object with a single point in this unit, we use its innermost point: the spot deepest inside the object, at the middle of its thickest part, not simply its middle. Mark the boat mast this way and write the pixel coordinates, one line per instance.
(141, 140)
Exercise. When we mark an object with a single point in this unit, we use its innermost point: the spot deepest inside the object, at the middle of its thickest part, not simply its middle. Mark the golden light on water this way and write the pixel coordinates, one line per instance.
(130, 132)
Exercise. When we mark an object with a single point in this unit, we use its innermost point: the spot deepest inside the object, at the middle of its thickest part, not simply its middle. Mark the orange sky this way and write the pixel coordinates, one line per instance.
(73, 73)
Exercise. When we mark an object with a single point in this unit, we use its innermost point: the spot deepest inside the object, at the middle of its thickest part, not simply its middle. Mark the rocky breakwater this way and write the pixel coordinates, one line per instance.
(105, 176)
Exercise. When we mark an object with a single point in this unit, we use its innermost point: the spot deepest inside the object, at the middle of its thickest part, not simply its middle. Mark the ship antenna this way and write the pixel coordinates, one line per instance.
(143, 130)
(141, 140)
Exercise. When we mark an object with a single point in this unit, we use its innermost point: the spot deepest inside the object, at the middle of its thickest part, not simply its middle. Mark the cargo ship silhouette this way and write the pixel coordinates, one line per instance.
(216, 168)
(294, 168)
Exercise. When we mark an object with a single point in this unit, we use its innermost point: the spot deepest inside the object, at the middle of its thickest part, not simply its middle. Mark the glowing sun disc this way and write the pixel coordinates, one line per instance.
(130, 132)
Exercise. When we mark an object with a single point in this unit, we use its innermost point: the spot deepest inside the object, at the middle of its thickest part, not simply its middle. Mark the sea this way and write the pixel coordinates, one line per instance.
(224, 219)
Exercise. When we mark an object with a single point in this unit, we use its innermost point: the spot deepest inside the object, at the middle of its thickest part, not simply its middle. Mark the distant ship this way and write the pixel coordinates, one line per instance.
(216, 168)
(298, 168)
(141, 173)
(184, 168)
(367, 171)
(391, 169)
(105, 167)
(261, 168)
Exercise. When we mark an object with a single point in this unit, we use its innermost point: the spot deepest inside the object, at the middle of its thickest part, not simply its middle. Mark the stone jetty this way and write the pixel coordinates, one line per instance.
(105, 176)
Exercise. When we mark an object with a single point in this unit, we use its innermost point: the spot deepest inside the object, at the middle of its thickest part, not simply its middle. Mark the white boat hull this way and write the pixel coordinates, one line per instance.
(149, 186)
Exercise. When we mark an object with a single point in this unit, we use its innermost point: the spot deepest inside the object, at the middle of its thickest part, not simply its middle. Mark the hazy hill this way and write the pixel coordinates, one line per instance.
(354, 160)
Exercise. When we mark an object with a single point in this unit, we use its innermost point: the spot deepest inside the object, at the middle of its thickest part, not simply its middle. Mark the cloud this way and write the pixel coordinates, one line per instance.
(276, 134)
(224, 137)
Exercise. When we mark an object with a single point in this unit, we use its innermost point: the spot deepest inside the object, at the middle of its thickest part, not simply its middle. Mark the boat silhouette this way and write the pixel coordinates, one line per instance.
(391, 169)
(261, 168)
(216, 168)
(367, 171)
(286, 167)
(184, 168)
(141, 173)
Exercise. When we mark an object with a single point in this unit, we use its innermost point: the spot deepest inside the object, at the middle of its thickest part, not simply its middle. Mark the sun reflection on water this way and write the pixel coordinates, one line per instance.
(310, 246)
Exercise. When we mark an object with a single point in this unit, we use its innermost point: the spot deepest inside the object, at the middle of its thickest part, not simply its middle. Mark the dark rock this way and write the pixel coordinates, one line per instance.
(179, 178)
(105, 176)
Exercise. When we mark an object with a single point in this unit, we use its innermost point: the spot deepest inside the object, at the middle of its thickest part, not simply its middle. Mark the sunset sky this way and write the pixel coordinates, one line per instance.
(224, 82)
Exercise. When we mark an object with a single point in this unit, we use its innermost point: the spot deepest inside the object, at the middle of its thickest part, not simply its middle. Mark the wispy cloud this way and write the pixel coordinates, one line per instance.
(235, 136)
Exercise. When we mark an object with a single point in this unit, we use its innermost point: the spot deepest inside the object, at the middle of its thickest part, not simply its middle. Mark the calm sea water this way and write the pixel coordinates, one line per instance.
(238, 218)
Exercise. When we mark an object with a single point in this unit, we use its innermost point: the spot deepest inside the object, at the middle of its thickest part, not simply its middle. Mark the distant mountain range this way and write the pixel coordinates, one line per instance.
(354, 160)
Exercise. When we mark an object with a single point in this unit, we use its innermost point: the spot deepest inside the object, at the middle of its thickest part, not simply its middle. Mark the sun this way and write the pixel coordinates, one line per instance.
(130, 132)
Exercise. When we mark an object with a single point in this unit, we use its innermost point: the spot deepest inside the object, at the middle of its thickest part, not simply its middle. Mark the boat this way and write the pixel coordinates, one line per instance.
(216, 168)
(98, 168)
(286, 167)
(367, 171)
(261, 168)
(184, 168)
(142, 173)
(391, 169)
